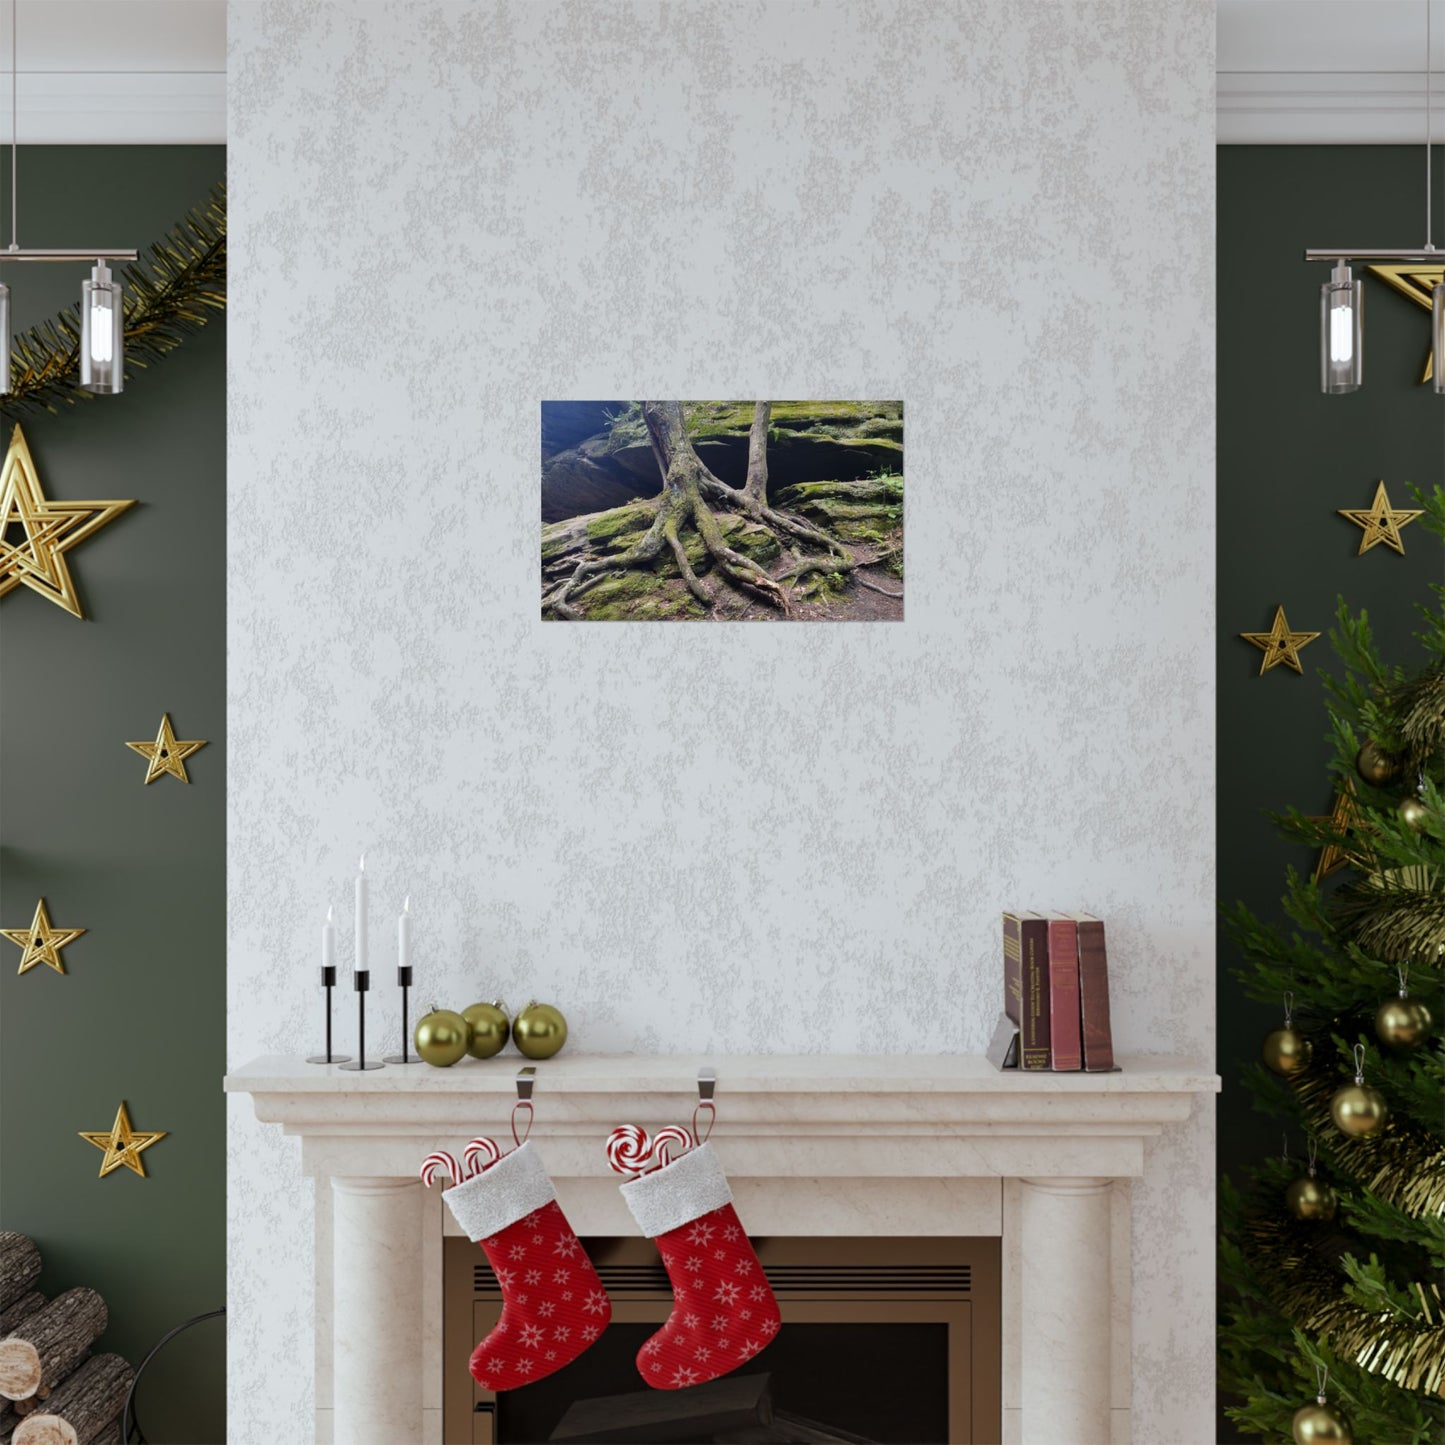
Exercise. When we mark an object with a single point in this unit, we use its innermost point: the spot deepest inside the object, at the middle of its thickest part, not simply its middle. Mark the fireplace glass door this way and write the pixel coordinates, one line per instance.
(883, 1340)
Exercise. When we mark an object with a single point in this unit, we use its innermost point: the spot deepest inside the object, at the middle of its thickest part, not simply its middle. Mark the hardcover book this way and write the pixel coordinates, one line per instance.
(1098, 1037)
(1064, 1040)
(1026, 984)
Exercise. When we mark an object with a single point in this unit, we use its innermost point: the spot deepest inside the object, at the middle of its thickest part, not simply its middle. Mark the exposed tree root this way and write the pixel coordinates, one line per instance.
(689, 493)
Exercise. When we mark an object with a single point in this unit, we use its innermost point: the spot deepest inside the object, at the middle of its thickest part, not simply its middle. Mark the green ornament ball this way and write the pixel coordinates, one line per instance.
(490, 1028)
(539, 1031)
(441, 1038)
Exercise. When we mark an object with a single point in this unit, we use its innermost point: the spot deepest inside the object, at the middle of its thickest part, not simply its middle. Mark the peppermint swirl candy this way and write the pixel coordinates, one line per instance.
(628, 1151)
(440, 1160)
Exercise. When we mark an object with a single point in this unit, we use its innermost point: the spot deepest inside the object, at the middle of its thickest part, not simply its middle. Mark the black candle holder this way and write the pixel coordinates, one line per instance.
(362, 980)
(328, 982)
(403, 979)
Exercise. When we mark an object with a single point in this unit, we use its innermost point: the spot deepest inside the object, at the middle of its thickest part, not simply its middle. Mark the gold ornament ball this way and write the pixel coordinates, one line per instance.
(490, 1028)
(1414, 814)
(1358, 1110)
(1311, 1198)
(539, 1031)
(441, 1037)
(1402, 1022)
(1375, 766)
(1314, 1424)
(1287, 1051)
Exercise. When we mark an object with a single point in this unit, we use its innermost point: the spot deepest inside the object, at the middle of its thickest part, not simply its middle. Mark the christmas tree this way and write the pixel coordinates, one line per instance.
(1341, 1269)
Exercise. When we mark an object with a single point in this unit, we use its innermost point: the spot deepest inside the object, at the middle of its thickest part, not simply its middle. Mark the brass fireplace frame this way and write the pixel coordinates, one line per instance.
(920, 1279)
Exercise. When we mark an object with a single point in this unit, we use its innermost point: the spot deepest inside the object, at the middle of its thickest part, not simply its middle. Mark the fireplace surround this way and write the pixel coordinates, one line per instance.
(816, 1146)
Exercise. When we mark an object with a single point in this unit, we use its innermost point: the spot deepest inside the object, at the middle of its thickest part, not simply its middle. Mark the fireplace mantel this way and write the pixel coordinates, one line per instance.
(814, 1144)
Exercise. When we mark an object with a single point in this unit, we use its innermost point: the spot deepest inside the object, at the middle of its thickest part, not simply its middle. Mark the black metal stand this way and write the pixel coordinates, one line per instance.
(403, 979)
(328, 982)
(362, 980)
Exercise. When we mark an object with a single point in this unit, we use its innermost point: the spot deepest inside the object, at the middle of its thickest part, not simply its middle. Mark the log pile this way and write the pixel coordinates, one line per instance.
(52, 1390)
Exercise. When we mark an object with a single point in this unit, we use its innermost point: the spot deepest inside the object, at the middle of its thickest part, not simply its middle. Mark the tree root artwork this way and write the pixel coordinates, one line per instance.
(735, 551)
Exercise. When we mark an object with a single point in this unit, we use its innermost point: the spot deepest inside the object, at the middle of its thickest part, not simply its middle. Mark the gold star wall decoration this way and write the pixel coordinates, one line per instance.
(166, 754)
(1381, 522)
(122, 1144)
(1279, 644)
(1343, 820)
(41, 942)
(1418, 282)
(36, 532)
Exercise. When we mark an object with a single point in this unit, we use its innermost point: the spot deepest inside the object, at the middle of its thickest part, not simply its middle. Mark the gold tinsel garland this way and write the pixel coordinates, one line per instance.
(1404, 1164)
(1310, 1293)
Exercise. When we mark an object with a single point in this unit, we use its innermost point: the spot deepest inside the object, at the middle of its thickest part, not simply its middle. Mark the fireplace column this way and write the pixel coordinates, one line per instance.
(1064, 1311)
(376, 1310)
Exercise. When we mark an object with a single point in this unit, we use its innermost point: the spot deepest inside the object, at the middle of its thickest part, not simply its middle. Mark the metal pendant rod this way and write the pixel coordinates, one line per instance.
(1429, 254)
(67, 253)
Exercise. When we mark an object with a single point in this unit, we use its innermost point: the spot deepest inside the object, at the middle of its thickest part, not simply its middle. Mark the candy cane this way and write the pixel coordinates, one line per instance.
(480, 1148)
(440, 1160)
(663, 1141)
(627, 1149)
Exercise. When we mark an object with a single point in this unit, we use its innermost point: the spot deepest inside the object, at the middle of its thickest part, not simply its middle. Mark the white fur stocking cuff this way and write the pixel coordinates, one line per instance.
(510, 1190)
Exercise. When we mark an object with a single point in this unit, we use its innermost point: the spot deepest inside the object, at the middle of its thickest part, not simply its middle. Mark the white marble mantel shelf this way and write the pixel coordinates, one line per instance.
(814, 1144)
(747, 1073)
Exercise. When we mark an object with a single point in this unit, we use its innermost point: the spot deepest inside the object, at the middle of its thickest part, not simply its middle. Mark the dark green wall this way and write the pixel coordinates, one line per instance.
(140, 1014)
(1288, 457)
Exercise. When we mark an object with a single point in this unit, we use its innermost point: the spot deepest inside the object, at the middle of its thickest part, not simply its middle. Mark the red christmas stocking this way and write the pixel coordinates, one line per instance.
(553, 1304)
(724, 1311)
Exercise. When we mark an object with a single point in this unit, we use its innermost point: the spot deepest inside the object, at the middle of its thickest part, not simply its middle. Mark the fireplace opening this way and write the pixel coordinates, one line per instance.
(883, 1340)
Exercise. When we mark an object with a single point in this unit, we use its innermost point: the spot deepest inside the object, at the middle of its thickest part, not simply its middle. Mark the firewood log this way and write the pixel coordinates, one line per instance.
(731, 1403)
(22, 1308)
(79, 1408)
(19, 1266)
(49, 1344)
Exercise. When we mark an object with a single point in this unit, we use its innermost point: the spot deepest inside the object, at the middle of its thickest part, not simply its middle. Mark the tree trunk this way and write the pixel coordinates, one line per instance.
(78, 1410)
(691, 500)
(19, 1266)
(50, 1343)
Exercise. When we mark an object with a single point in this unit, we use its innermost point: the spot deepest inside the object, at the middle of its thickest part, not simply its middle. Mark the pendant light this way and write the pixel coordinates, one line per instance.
(102, 311)
(1342, 297)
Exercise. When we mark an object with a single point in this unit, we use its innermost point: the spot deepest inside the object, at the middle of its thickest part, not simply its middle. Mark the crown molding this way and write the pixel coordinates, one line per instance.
(117, 108)
(1259, 107)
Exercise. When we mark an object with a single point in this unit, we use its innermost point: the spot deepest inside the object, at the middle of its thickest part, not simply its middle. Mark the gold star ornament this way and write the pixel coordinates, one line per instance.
(41, 943)
(1418, 282)
(166, 754)
(1279, 644)
(1345, 819)
(122, 1144)
(36, 532)
(1381, 522)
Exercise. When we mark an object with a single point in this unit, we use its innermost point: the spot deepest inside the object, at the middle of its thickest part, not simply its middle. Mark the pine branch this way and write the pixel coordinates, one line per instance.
(170, 293)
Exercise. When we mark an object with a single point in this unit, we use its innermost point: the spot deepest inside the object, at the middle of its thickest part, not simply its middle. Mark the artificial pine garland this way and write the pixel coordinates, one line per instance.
(170, 292)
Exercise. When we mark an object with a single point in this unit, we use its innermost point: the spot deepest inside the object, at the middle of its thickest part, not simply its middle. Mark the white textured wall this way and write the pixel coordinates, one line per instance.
(745, 838)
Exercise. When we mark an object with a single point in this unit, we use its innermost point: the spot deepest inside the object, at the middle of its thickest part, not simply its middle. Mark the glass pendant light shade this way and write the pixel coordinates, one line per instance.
(102, 334)
(1342, 337)
(4, 338)
(1437, 336)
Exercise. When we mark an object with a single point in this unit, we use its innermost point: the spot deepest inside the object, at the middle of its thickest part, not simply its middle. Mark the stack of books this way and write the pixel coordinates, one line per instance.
(1056, 994)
